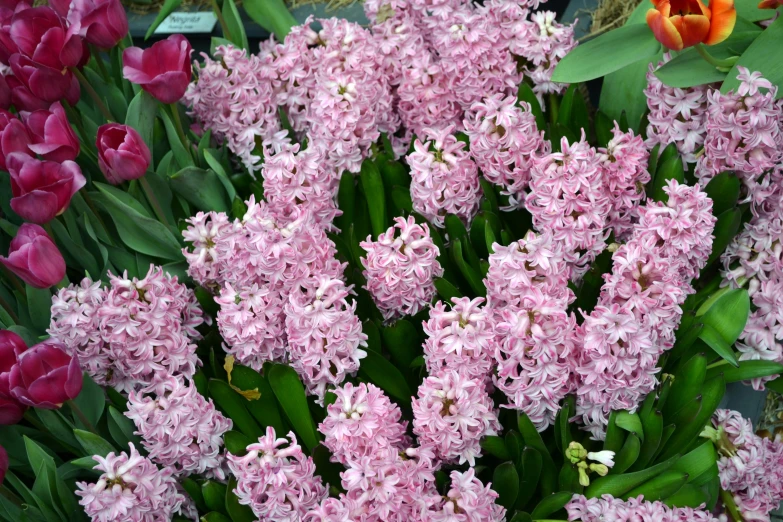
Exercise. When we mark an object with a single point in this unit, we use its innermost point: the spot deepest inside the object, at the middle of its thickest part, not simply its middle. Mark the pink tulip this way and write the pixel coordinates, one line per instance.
(21, 97)
(13, 137)
(45, 83)
(102, 23)
(34, 257)
(52, 135)
(7, 10)
(44, 37)
(162, 70)
(122, 153)
(3, 464)
(45, 376)
(5, 93)
(11, 347)
(42, 189)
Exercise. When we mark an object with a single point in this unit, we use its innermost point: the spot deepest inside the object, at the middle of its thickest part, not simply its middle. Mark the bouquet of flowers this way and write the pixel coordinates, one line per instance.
(397, 272)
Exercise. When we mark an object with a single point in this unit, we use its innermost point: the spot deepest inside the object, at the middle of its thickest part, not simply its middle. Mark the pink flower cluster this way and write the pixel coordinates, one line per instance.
(276, 479)
(528, 294)
(130, 488)
(180, 429)
(639, 307)
(400, 267)
(749, 467)
(131, 332)
(504, 141)
(637, 509)
(444, 178)
(451, 414)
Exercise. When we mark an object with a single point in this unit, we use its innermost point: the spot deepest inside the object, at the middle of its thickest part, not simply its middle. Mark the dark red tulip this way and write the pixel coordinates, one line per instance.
(102, 23)
(11, 347)
(45, 83)
(45, 376)
(52, 135)
(44, 37)
(13, 137)
(122, 153)
(42, 189)
(21, 97)
(5, 93)
(3, 464)
(162, 70)
(7, 10)
(34, 257)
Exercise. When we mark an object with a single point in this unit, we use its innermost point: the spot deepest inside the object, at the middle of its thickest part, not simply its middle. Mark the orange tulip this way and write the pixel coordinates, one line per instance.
(770, 4)
(678, 24)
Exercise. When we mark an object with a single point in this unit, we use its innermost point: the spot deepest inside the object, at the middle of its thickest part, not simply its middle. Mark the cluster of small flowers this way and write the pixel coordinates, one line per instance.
(233, 97)
(386, 479)
(180, 429)
(130, 487)
(741, 131)
(637, 509)
(276, 479)
(131, 332)
(528, 294)
(400, 267)
(749, 467)
(279, 287)
(639, 307)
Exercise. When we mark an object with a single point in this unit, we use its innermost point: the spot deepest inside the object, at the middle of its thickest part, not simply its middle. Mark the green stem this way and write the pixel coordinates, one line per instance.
(731, 506)
(96, 54)
(5, 304)
(180, 129)
(145, 185)
(83, 418)
(716, 364)
(726, 64)
(93, 94)
(223, 24)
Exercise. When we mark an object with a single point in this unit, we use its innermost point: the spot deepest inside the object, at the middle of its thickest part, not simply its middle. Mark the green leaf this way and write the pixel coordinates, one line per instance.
(764, 55)
(234, 25)
(181, 154)
(59, 427)
(237, 511)
(468, 272)
(214, 494)
(653, 431)
(495, 446)
(83, 259)
(627, 455)
(726, 228)
(237, 442)
(614, 435)
(39, 304)
(607, 53)
(346, 201)
(93, 444)
(402, 341)
(505, 481)
(139, 232)
(214, 516)
(44, 487)
(724, 191)
(687, 384)
(618, 485)
(687, 496)
(372, 183)
(526, 94)
(386, 376)
(290, 394)
(630, 422)
(533, 439)
(728, 314)
(623, 90)
(660, 487)
(551, 504)
(671, 169)
(220, 170)
(698, 461)
(775, 385)
(216, 42)
(142, 111)
(272, 15)
(715, 340)
(233, 405)
(446, 290)
(193, 489)
(166, 9)
(202, 188)
(91, 400)
(529, 475)
(747, 370)
(122, 428)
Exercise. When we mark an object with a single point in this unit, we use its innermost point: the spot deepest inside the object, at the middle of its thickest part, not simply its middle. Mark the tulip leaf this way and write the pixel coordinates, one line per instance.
(137, 230)
(607, 53)
(290, 393)
(166, 9)
(142, 111)
(234, 25)
(728, 314)
(386, 376)
(93, 444)
(748, 11)
(272, 15)
(505, 481)
(238, 512)
(210, 155)
(72, 253)
(39, 304)
(121, 429)
(764, 55)
(45, 484)
(202, 188)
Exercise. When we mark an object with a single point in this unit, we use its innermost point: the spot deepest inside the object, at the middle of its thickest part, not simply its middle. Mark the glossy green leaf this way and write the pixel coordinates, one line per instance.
(93, 444)
(91, 400)
(551, 504)
(121, 429)
(653, 431)
(272, 15)
(202, 188)
(233, 405)
(698, 461)
(715, 340)
(615, 436)
(660, 487)
(238, 512)
(386, 376)
(290, 393)
(728, 314)
(495, 446)
(724, 191)
(181, 154)
(237, 442)
(142, 111)
(446, 290)
(627, 455)
(747, 370)
(533, 439)
(687, 496)
(505, 481)
(670, 170)
(234, 25)
(618, 485)
(606, 53)
(529, 474)
(726, 228)
(764, 55)
(526, 94)
(214, 494)
(166, 9)
(402, 341)
(630, 422)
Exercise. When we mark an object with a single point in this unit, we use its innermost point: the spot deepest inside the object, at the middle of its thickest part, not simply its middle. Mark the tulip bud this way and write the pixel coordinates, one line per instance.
(3, 464)
(163, 70)
(11, 347)
(122, 153)
(34, 257)
(102, 23)
(13, 137)
(46, 376)
(42, 189)
(52, 135)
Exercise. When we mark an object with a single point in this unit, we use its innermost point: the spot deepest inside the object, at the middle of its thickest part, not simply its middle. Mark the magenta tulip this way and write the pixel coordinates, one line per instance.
(52, 135)
(21, 97)
(122, 153)
(44, 37)
(162, 70)
(7, 10)
(34, 257)
(3, 464)
(11, 347)
(102, 23)
(45, 376)
(42, 189)
(13, 137)
(5, 93)
(45, 83)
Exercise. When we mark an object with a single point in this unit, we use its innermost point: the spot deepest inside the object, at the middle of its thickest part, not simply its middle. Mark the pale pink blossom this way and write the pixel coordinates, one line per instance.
(606, 508)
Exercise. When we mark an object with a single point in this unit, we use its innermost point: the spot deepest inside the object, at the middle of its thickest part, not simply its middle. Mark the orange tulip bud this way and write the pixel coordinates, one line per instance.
(678, 24)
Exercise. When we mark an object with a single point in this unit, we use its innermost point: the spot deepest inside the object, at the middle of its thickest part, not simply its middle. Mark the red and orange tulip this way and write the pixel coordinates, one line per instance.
(678, 24)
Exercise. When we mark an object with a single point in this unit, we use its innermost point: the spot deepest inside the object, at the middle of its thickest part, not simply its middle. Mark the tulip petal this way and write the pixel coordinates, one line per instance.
(46, 262)
(36, 206)
(47, 391)
(692, 28)
(73, 384)
(664, 30)
(724, 16)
